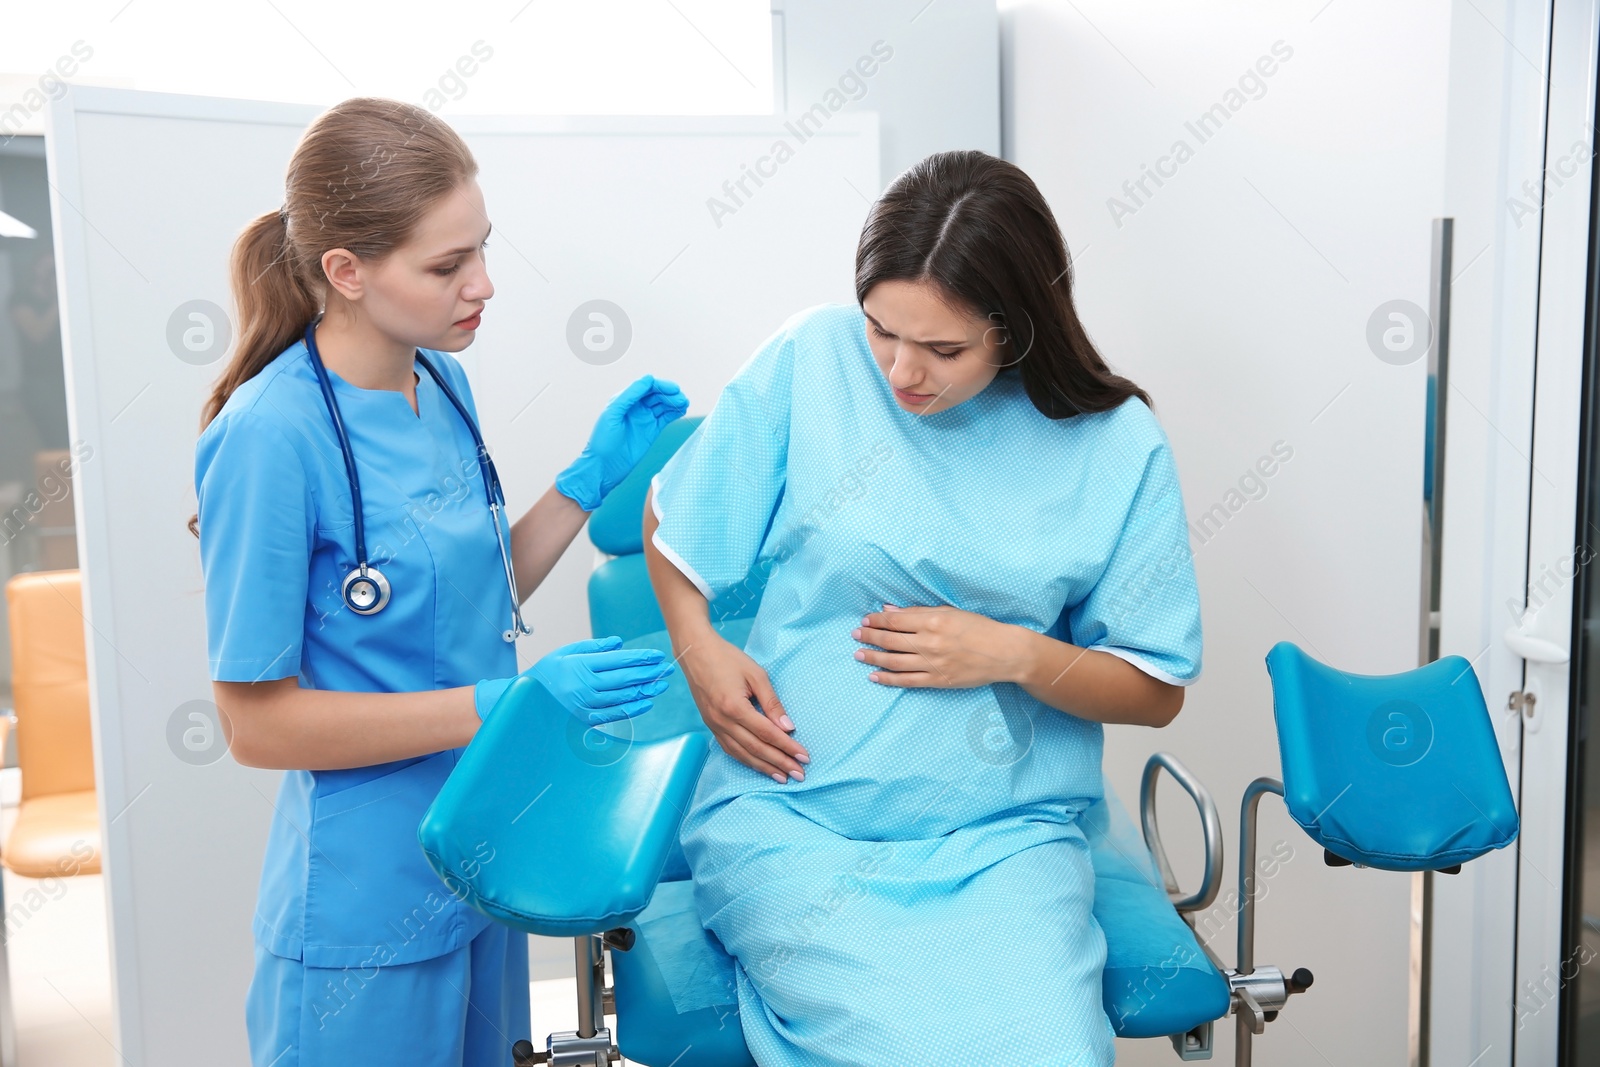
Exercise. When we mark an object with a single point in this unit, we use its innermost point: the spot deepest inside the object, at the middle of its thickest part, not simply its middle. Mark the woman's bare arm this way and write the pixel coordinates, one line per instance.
(721, 676)
(683, 606)
(1093, 684)
(281, 725)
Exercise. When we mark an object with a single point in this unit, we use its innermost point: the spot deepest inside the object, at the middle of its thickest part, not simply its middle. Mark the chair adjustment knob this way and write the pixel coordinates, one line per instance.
(621, 938)
(1299, 981)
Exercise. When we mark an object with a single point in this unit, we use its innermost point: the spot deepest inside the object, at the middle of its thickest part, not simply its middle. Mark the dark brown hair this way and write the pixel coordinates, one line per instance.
(979, 228)
(362, 177)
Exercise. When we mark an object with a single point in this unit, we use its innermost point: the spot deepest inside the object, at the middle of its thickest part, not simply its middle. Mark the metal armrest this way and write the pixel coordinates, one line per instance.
(1210, 823)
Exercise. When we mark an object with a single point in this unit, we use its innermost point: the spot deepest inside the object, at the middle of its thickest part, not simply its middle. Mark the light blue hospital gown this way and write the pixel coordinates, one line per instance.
(924, 894)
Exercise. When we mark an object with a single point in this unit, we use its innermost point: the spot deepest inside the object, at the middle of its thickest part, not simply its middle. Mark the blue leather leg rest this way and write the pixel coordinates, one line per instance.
(1359, 748)
(577, 821)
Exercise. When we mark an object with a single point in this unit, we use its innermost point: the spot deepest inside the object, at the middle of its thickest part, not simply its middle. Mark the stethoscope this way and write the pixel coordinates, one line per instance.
(365, 590)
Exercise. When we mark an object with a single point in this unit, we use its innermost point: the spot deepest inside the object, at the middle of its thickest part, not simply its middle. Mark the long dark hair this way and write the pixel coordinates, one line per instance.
(979, 228)
(362, 177)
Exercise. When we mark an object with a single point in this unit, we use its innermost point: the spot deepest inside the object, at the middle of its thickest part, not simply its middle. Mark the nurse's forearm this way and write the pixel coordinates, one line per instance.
(280, 725)
(683, 606)
(540, 537)
(1092, 684)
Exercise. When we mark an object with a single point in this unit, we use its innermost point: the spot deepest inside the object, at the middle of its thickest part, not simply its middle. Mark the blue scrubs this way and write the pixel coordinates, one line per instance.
(928, 887)
(360, 945)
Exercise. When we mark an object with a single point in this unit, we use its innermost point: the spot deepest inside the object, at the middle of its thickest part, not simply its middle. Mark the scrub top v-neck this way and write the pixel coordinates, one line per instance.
(344, 882)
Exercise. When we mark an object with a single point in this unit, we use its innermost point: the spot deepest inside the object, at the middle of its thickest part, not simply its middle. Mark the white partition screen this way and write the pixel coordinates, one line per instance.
(657, 216)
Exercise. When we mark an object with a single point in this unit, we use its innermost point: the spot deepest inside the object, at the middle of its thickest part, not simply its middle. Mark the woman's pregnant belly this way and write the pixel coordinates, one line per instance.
(908, 762)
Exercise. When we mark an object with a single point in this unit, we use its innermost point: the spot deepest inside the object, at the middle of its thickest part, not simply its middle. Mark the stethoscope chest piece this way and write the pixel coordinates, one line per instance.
(365, 590)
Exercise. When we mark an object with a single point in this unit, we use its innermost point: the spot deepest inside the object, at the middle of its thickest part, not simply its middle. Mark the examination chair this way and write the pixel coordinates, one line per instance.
(583, 826)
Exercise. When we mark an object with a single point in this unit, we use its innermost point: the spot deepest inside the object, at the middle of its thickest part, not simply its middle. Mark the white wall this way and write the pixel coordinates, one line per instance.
(939, 90)
(1238, 295)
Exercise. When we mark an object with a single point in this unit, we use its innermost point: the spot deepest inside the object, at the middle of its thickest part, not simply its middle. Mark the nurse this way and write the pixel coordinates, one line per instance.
(976, 553)
(363, 597)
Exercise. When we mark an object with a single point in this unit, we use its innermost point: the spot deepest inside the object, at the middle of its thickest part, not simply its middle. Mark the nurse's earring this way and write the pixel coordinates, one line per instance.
(365, 590)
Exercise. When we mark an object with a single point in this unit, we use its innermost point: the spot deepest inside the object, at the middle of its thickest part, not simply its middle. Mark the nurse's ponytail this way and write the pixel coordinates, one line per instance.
(979, 228)
(272, 303)
(362, 177)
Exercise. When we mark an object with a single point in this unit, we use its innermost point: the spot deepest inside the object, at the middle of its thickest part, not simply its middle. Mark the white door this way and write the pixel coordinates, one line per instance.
(1513, 977)
(1556, 1018)
(1515, 961)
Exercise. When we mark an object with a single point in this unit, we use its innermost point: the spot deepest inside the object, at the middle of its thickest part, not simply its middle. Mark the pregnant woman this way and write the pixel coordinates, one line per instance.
(977, 554)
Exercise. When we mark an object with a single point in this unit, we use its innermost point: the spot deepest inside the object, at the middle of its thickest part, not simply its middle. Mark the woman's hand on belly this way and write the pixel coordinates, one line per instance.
(723, 678)
(947, 648)
(941, 647)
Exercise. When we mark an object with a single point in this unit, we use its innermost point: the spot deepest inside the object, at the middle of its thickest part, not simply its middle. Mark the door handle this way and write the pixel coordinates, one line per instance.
(1535, 649)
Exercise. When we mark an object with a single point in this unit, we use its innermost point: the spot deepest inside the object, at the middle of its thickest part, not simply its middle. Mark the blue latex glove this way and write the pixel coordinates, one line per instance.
(627, 428)
(597, 680)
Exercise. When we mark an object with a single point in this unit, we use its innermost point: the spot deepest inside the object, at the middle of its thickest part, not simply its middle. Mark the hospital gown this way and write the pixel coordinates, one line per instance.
(924, 894)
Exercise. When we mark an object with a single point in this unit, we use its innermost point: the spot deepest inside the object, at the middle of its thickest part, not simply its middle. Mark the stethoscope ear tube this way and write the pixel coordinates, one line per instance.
(517, 625)
(365, 590)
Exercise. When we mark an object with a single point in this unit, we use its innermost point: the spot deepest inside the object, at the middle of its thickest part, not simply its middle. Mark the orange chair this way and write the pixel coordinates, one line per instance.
(57, 832)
